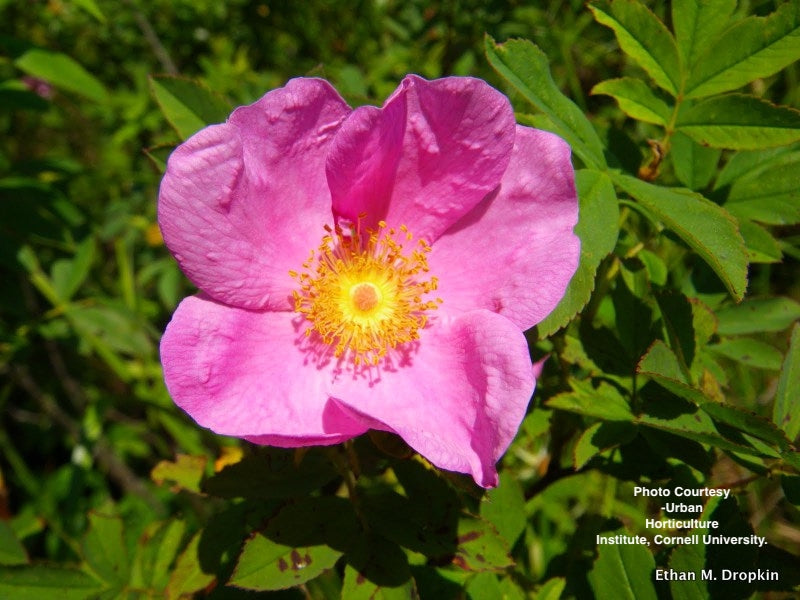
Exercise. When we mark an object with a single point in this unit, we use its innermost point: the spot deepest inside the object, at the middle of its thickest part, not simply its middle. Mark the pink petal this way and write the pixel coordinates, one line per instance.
(515, 253)
(244, 202)
(433, 151)
(244, 373)
(460, 397)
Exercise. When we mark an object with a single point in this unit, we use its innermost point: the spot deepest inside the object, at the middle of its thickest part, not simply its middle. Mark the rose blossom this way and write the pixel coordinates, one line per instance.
(367, 269)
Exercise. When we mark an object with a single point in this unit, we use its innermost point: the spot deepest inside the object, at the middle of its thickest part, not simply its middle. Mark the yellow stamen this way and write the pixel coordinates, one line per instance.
(363, 294)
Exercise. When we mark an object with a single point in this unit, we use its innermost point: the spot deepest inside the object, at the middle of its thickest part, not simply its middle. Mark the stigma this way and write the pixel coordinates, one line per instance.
(366, 292)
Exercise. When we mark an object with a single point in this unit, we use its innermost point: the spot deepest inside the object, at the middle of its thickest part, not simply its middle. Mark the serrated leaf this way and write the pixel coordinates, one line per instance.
(526, 67)
(185, 472)
(61, 71)
(598, 227)
(661, 365)
(643, 37)
(300, 542)
(756, 315)
(705, 227)
(739, 122)
(747, 422)
(39, 582)
(104, 549)
(784, 411)
(623, 572)
(504, 507)
(752, 48)
(697, 23)
(265, 565)
(750, 352)
(603, 402)
(188, 105)
(636, 99)
(695, 165)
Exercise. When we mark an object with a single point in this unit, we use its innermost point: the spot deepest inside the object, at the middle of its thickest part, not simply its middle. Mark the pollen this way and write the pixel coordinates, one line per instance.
(366, 292)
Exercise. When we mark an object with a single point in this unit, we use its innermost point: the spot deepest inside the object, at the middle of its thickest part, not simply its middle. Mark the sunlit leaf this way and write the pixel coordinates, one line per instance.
(754, 47)
(597, 228)
(697, 23)
(635, 99)
(704, 226)
(527, 68)
(740, 122)
(644, 38)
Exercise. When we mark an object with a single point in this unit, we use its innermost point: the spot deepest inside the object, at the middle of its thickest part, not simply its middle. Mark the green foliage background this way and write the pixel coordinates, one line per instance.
(674, 358)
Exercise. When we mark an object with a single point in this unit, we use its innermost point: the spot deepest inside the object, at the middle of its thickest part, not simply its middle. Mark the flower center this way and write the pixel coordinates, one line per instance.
(362, 292)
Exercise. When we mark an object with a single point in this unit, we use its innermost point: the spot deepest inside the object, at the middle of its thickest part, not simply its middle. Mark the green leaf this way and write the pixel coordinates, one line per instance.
(601, 436)
(597, 228)
(750, 352)
(739, 122)
(61, 71)
(769, 193)
(90, 6)
(480, 547)
(526, 67)
(705, 227)
(12, 552)
(636, 99)
(155, 552)
(695, 165)
(272, 473)
(605, 402)
(644, 38)
(688, 558)
(504, 507)
(299, 543)
(188, 105)
(188, 576)
(185, 473)
(747, 422)
(661, 365)
(761, 246)
(68, 275)
(552, 589)
(747, 165)
(623, 572)
(378, 570)
(756, 315)
(784, 411)
(753, 48)
(38, 582)
(265, 565)
(697, 23)
(483, 585)
(104, 549)
(678, 318)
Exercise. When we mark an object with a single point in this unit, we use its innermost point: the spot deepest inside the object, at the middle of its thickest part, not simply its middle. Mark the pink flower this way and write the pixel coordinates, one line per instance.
(367, 269)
